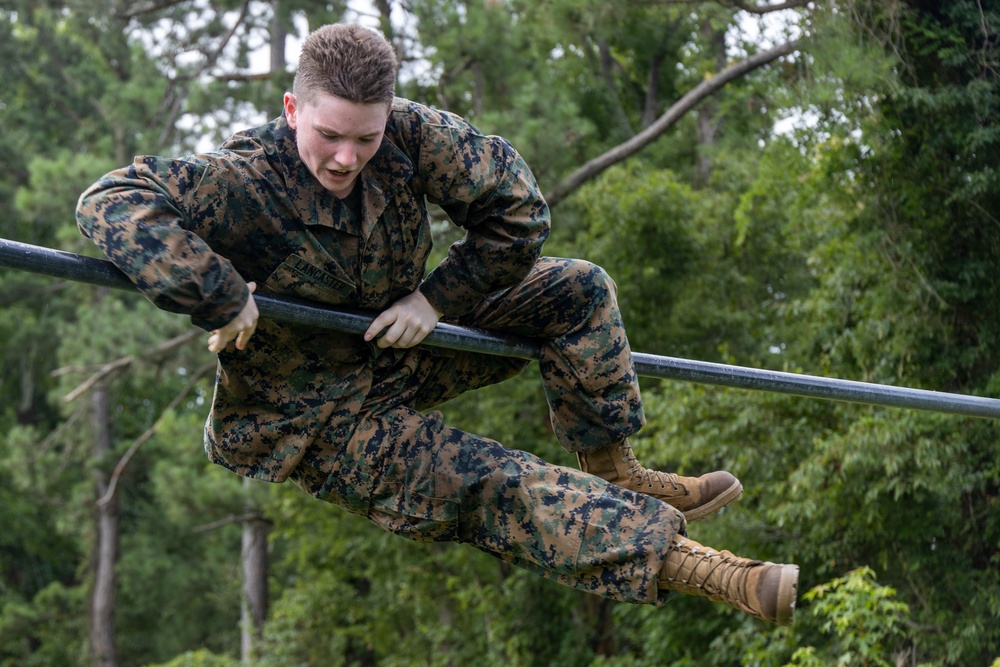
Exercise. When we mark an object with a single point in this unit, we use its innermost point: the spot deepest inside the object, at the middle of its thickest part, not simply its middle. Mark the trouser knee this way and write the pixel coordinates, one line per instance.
(589, 291)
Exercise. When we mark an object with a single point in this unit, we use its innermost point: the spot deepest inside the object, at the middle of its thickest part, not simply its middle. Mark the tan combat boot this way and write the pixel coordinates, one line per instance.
(764, 590)
(694, 496)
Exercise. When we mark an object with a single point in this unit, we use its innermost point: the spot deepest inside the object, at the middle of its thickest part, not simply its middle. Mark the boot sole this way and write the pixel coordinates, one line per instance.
(788, 589)
(730, 495)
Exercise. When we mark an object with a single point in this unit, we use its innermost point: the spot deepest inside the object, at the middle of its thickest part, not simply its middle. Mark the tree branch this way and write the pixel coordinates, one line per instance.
(708, 87)
(234, 518)
(148, 8)
(112, 367)
(149, 433)
(120, 364)
(238, 77)
(173, 102)
(35, 294)
(766, 9)
(103, 372)
(213, 57)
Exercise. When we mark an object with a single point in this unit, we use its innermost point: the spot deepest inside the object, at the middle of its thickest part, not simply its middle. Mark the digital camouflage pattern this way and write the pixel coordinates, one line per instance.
(342, 418)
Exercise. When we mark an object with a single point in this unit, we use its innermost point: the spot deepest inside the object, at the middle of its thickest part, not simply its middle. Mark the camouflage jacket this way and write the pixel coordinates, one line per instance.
(191, 232)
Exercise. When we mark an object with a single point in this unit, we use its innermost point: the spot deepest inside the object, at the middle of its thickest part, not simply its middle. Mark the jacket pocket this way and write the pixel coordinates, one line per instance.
(298, 277)
(417, 517)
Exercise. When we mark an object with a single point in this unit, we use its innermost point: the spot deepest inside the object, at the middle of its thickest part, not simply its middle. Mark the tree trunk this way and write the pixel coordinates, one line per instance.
(255, 591)
(607, 65)
(708, 116)
(279, 38)
(26, 401)
(279, 35)
(384, 8)
(102, 608)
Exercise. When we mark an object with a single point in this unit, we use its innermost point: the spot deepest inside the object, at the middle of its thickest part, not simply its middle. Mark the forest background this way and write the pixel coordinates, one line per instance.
(832, 210)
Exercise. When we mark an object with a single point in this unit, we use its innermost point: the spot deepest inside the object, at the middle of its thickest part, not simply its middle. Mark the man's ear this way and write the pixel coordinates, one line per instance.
(290, 105)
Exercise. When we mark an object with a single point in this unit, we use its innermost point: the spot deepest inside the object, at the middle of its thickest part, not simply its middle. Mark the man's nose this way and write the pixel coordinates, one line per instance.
(346, 155)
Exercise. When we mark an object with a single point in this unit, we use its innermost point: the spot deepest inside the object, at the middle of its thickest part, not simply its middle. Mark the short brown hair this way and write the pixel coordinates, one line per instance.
(349, 61)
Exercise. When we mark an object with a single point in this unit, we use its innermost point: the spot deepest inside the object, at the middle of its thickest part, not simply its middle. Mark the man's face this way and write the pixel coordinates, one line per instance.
(336, 138)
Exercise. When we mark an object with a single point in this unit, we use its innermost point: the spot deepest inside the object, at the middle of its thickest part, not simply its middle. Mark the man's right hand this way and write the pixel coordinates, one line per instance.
(241, 327)
(406, 323)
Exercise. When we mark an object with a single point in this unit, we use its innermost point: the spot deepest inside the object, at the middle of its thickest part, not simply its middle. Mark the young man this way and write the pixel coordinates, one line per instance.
(327, 203)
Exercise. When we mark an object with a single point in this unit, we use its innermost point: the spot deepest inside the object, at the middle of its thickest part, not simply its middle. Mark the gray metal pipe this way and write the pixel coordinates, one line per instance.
(78, 268)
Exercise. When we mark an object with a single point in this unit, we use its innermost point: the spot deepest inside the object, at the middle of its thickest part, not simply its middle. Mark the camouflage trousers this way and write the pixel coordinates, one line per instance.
(407, 471)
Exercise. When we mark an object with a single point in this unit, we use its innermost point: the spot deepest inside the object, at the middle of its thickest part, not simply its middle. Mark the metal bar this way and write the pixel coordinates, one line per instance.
(78, 268)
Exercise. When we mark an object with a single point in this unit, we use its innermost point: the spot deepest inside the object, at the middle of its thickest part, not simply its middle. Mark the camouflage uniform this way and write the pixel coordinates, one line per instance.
(343, 418)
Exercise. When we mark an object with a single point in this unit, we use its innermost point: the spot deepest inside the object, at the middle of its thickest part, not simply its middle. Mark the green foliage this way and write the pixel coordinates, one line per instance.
(863, 617)
(154, 588)
(54, 184)
(367, 597)
(37, 547)
(200, 658)
(47, 630)
(635, 212)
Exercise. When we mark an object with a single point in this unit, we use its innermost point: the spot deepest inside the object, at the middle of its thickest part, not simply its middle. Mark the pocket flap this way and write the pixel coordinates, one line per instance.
(301, 278)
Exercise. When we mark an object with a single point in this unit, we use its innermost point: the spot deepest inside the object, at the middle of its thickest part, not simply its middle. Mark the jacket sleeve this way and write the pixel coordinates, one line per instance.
(486, 187)
(152, 219)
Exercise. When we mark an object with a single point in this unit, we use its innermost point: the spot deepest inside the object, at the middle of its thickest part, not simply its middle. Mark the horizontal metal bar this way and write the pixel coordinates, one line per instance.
(78, 268)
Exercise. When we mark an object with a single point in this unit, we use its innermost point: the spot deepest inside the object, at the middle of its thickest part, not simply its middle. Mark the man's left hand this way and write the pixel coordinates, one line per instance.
(406, 323)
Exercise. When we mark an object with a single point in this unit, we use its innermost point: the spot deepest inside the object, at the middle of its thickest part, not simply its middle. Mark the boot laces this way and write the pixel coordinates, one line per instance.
(732, 585)
(642, 474)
